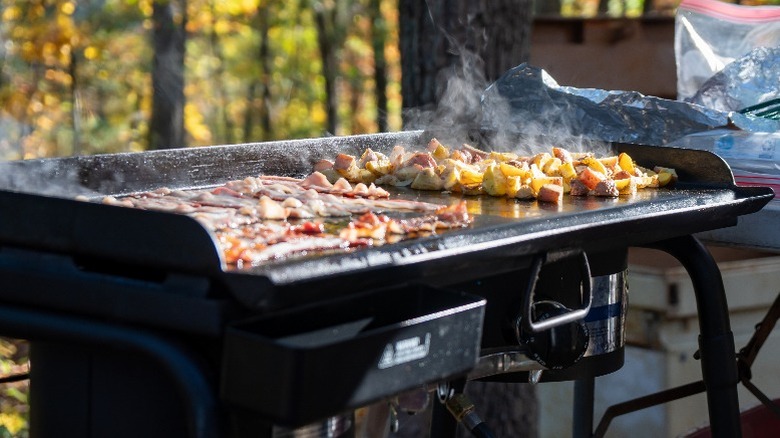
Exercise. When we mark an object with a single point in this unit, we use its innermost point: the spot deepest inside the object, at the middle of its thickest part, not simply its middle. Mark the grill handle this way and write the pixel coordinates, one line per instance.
(586, 293)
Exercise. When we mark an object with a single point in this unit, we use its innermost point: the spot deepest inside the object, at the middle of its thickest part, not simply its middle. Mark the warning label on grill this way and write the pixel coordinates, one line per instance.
(404, 351)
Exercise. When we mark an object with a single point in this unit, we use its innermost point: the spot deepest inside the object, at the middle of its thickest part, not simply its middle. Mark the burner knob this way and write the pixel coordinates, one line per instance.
(558, 347)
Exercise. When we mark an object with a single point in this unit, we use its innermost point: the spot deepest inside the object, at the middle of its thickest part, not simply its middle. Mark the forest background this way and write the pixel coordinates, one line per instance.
(95, 76)
(105, 76)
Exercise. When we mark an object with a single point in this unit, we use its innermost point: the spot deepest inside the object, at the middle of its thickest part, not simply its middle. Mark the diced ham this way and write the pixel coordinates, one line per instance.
(343, 162)
(422, 159)
(367, 156)
(476, 154)
(321, 165)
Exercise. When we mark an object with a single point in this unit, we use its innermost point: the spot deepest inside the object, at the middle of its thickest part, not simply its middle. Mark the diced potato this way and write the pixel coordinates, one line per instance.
(379, 167)
(567, 170)
(626, 163)
(351, 174)
(524, 192)
(510, 170)
(513, 185)
(609, 162)
(562, 154)
(590, 178)
(643, 171)
(438, 150)
(666, 176)
(595, 165)
(501, 157)
(450, 178)
(493, 181)
(459, 156)
(550, 193)
(541, 159)
(646, 181)
(427, 179)
(538, 183)
(484, 164)
(365, 176)
(626, 186)
(622, 183)
(470, 177)
(408, 173)
(551, 167)
(536, 172)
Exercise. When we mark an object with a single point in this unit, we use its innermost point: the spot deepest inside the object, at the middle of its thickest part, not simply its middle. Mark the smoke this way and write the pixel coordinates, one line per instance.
(470, 109)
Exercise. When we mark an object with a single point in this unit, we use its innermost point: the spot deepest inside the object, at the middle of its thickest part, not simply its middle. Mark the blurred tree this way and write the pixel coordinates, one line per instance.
(378, 41)
(166, 129)
(332, 18)
(451, 50)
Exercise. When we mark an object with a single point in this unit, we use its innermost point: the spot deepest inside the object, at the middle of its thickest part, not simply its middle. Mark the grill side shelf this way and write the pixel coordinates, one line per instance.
(120, 234)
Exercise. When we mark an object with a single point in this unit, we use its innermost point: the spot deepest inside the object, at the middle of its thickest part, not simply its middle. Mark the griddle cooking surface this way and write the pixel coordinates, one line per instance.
(704, 199)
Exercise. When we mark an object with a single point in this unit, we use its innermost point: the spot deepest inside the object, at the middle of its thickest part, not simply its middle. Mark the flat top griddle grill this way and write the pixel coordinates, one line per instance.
(163, 271)
(705, 199)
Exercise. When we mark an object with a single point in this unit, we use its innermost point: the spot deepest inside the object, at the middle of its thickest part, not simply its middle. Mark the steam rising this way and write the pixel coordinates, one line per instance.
(471, 110)
(42, 177)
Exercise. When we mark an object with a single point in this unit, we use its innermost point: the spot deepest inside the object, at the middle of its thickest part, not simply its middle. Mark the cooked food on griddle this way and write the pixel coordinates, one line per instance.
(546, 176)
(270, 217)
(342, 205)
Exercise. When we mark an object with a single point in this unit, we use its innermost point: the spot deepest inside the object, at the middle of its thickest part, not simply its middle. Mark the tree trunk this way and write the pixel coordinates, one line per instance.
(167, 125)
(75, 111)
(218, 76)
(262, 81)
(378, 40)
(265, 74)
(324, 19)
(450, 51)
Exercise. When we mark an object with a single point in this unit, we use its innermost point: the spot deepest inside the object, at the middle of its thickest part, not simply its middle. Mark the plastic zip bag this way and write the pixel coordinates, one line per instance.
(709, 34)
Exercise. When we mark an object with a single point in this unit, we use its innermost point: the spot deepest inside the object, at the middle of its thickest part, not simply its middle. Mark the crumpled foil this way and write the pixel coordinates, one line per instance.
(527, 100)
(747, 81)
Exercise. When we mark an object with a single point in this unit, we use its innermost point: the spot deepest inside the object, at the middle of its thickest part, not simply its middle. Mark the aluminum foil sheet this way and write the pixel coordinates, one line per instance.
(747, 81)
(526, 99)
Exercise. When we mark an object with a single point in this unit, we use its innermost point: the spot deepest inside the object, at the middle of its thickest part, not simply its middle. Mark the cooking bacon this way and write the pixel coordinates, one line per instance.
(268, 217)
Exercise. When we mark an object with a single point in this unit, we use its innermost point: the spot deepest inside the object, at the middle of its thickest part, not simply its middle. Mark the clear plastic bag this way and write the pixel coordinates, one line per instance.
(709, 34)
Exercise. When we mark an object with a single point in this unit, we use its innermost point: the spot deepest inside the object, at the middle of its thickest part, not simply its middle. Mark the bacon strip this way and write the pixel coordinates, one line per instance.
(250, 216)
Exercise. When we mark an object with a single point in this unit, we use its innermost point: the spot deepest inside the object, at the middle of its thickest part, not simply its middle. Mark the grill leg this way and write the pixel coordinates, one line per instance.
(583, 407)
(716, 341)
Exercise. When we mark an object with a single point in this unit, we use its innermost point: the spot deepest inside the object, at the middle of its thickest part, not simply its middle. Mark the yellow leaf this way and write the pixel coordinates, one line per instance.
(91, 52)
